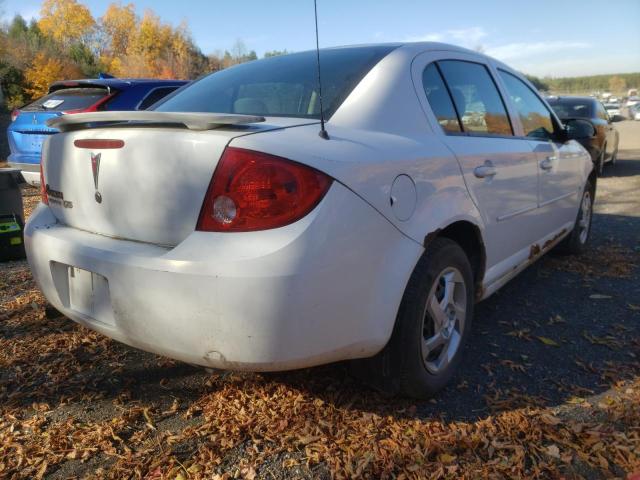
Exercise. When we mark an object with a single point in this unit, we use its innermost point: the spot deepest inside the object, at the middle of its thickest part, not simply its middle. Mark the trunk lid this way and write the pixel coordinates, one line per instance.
(138, 182)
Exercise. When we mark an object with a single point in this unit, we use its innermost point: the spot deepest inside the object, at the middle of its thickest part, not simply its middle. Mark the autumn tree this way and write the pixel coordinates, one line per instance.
(119, 24)
(46, 70)
(66, 21)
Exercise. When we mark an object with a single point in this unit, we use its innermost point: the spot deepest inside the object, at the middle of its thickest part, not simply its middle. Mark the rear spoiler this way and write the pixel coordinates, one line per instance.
(77, 84)
(193, 121)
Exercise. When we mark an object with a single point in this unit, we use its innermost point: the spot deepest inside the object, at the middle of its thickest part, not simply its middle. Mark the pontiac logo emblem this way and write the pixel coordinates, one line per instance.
(95, 168)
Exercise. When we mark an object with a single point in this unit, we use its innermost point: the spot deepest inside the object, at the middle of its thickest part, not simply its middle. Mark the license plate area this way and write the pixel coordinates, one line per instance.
(35, 142)
(89, 294)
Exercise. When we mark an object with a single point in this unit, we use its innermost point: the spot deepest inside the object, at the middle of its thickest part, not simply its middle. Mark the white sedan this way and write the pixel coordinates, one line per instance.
(257, 242)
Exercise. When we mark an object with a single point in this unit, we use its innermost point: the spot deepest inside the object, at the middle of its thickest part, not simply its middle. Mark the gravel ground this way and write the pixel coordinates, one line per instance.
(549, 388)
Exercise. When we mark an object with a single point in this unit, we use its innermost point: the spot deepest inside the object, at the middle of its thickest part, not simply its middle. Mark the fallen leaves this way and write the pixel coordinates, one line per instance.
(547, 341)
(52, 372)
(614, 261)
(599, 296)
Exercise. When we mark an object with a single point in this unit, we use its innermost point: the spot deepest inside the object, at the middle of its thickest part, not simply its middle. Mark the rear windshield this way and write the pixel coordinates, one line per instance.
(612, 106)
(67, 99)
(572, 108)
(280, 86)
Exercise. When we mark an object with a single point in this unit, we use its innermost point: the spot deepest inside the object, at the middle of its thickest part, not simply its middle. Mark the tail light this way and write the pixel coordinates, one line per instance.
(44, 197)
(253, 191)
(14, 114)
(91, 108)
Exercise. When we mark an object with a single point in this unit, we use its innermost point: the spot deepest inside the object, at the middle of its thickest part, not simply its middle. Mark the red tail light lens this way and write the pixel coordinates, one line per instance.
(44, 197)
(14, 115)
(253, 191)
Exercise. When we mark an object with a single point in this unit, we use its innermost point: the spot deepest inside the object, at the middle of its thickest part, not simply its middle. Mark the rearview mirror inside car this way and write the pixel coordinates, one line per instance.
(577, 128)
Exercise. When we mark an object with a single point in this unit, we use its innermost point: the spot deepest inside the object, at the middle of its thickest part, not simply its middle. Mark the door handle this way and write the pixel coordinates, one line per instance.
(485, 171)
(547, 163)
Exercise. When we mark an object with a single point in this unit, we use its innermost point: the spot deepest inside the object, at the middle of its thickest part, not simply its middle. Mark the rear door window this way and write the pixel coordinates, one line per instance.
(536, 118)
(154, 96)
(440, 100)
(476, 98)
(67, 99)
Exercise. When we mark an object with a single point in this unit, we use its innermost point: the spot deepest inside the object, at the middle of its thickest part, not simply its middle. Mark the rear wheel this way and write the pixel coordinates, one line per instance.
(433, 323)
(577, 240)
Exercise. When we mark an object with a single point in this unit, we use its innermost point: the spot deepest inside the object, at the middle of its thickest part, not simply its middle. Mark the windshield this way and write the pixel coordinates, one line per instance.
(67, 99)
(612, 106)
(280, 86)
(572, 108)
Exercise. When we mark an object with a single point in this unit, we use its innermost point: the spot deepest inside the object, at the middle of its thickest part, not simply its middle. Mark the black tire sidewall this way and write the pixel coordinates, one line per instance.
(406, 346)
(575, 246)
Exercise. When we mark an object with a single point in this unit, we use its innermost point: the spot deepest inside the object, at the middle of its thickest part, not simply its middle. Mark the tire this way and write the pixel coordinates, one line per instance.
(406, 366)
(578, 239)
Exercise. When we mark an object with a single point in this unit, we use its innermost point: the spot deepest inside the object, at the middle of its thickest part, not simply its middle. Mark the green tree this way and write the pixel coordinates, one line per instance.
(538, 83)
(275, 53)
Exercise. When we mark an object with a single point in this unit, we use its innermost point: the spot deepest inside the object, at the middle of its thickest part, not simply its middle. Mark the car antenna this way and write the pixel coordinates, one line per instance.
(323, 131)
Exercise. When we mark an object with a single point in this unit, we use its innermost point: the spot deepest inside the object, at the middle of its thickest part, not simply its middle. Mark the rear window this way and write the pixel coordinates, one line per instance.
(572, 108)
(67, 99)
(154, 96)
(280, 86)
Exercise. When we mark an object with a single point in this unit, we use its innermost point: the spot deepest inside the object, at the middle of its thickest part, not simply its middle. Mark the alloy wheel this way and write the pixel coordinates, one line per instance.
(443, 320)
(584, 223)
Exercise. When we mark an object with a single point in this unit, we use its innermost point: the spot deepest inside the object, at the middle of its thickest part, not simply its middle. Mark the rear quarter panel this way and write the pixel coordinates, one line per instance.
(379, 132)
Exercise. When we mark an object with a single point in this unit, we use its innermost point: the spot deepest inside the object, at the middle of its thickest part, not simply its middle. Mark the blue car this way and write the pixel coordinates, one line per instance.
(28, 128)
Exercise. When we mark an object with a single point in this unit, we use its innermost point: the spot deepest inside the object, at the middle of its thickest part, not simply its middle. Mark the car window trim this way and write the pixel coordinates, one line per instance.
(557, 124)
(495, 84)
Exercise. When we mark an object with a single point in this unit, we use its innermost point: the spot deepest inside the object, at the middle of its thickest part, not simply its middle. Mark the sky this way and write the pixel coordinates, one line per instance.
(545, 38)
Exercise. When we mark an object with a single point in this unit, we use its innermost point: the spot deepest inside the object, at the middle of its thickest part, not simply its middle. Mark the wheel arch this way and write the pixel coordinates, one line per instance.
(469, 236)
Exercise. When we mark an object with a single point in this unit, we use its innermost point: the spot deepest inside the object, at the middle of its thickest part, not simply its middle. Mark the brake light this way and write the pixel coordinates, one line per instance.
(44, 196)
(253, 191)
(15, 114)
(91, 108)
(98, 144)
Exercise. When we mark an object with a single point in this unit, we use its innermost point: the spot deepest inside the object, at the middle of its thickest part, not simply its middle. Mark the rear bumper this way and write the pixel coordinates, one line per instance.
(324, 289)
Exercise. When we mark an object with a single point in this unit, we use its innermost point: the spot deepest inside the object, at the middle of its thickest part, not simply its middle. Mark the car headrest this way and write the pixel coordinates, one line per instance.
(248, 105)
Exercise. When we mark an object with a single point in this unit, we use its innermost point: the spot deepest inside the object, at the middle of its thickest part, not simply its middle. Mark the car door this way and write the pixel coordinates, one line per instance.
(559, 163)
(500, 170)
(610, 133)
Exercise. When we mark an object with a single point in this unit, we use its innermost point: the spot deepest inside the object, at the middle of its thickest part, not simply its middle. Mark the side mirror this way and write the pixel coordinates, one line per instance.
(577, 128)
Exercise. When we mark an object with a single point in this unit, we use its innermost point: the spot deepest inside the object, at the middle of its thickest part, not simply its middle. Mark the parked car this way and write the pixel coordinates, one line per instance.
(603, 146)
(634, 112)
(261, 241)
(28, 127)
(631, 101)
(613, 109)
